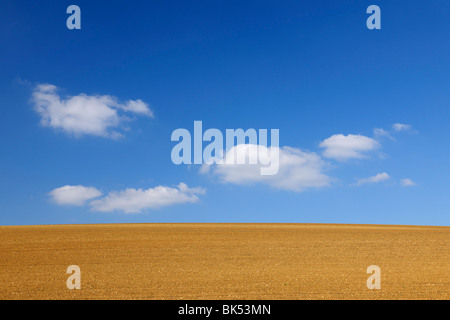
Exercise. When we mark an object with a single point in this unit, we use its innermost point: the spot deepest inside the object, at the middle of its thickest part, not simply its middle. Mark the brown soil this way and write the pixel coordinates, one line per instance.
(224, 261)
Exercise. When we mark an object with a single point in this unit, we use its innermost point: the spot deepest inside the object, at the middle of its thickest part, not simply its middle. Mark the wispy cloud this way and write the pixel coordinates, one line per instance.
(401, 127)
(129, 200)
(74, 195)
(407, 183)
(97, 115)
(379, 132)
(380, 177)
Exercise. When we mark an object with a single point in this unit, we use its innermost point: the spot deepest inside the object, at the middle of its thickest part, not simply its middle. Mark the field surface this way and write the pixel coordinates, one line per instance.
(224, 261)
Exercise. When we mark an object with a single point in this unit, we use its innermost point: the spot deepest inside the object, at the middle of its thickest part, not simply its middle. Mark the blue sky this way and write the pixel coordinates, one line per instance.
(311, 69)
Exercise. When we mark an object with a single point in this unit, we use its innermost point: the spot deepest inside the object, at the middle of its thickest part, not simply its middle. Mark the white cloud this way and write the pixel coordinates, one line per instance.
(342, 147)
(83, 114)
(74, 195)
(380, 177)
(379, 132)
(407, 183)
(136, 200)
(401, 127)
(137, 106)
(298, 170)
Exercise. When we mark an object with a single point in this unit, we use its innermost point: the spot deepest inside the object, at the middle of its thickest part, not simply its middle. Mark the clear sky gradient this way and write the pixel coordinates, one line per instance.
(311, 69)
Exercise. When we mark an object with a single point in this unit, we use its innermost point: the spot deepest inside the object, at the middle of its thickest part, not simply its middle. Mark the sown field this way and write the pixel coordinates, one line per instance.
(224, 261)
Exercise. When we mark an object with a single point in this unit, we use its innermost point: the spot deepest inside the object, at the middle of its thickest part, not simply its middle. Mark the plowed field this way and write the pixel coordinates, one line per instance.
(224, 261)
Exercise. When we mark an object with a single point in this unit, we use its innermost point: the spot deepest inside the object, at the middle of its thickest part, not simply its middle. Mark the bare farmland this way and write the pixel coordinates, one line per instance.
(224, 261)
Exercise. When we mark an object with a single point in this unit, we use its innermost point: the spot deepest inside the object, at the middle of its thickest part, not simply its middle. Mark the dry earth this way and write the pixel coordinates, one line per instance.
(224, 261)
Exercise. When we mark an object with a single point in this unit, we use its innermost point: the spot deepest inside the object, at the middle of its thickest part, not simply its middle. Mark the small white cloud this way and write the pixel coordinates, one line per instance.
(298, 170)
(407, 183)
(380, 177)
(379, 132)
(343, 147)
(138, 106)
(401, 127)
(74, 195)
(136, 200)
(83, 114)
